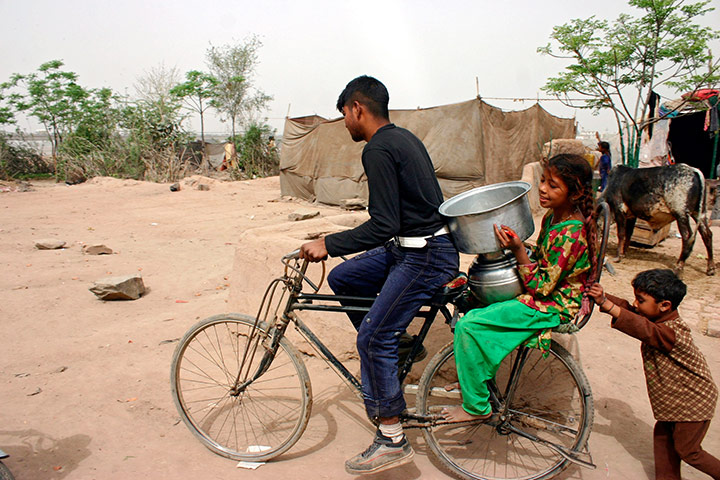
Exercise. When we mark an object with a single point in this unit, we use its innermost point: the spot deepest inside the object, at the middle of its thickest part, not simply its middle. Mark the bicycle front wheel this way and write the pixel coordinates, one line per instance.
(552, 403)
(257, 422)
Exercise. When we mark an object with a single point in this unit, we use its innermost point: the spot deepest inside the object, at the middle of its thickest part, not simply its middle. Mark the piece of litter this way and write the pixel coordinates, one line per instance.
(257, 448)
(253, 449)
(153, 224)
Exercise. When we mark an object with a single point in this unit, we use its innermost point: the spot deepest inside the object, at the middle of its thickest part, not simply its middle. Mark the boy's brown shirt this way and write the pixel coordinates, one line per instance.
(679, 382)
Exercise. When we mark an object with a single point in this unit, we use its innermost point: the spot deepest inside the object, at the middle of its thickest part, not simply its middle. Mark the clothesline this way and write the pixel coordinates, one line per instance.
(538, 99)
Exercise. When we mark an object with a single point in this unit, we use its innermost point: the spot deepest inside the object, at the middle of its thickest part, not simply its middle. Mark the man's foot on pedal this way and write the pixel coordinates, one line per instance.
(403, 354)
(380, 455)
(457, 414)
(406, 344)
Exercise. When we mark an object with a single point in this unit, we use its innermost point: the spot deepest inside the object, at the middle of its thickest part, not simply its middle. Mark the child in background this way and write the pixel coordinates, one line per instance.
(681, 389)
(554, 284)
(605, 163)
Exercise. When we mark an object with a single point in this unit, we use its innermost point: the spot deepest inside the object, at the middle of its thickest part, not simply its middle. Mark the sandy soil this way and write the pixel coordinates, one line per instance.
(85, 383)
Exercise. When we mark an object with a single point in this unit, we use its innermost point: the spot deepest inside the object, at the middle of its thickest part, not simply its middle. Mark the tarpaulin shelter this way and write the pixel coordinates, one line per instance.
(471, 144)
(694, 129)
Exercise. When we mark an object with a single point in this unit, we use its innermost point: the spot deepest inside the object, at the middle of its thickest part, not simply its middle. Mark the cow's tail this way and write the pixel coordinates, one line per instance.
(702, 214)
(703, 193)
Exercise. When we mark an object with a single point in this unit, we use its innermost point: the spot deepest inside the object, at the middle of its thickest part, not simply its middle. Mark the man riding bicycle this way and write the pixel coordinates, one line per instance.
(408, 255)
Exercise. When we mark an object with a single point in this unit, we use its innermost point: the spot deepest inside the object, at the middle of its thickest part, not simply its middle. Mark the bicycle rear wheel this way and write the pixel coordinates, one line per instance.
(553, 402)
(262, 420)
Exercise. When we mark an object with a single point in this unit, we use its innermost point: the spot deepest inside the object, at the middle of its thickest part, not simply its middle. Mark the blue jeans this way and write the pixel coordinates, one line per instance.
(403, 280)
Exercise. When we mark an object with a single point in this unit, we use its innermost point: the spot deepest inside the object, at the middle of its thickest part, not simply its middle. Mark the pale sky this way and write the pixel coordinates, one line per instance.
(427, 53)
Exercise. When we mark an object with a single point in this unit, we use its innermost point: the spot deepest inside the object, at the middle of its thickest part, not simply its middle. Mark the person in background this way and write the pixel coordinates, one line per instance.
(682, 392)
(605, 163)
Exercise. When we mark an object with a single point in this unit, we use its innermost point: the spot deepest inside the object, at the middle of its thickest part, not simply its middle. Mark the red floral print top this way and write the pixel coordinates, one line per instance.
(554, 282)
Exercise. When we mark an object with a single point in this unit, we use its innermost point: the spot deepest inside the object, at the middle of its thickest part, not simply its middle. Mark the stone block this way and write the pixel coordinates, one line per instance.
(49, 244)
(128, 287)
(303, 215)
(713, 328)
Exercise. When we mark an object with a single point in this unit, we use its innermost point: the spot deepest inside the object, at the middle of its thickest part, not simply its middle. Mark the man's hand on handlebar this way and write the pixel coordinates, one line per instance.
(314, 251)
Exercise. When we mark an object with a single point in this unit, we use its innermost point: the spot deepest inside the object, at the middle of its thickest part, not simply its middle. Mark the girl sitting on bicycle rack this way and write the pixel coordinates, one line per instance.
(554, 285)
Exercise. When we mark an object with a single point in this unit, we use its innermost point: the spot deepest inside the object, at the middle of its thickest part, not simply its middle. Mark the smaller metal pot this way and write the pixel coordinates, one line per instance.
(494, 278)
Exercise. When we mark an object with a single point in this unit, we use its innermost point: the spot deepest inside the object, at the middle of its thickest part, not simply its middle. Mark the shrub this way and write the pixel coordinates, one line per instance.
(20, 161)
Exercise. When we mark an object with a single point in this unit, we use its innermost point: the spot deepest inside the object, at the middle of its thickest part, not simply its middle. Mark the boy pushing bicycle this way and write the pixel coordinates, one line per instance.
(682, 392)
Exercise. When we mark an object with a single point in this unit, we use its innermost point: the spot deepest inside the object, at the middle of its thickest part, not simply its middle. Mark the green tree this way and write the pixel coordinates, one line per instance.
(52, 96)
(234, 67)
(256, 150)
(160, 107)
(6, 114)
(198, 91)
(618, 65)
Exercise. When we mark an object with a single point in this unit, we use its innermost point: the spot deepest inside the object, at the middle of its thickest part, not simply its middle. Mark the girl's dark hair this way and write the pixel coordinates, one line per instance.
(577, 174)
(661, 284)
(370, 92)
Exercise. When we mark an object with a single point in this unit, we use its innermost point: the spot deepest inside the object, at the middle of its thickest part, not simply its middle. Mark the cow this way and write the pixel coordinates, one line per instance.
(660, 195)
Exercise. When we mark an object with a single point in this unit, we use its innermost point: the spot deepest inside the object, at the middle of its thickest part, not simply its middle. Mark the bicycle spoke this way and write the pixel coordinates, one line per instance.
(269, 412)
(547, 406)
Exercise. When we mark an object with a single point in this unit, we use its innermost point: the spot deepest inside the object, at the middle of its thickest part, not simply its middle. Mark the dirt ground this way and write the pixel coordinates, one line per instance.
(85, 383)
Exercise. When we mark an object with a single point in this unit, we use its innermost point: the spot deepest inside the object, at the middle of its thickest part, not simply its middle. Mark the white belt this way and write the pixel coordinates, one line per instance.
(419, 242)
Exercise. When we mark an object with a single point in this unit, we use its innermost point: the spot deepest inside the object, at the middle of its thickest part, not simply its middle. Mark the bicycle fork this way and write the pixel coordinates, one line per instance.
(505, 427)
(270, 344)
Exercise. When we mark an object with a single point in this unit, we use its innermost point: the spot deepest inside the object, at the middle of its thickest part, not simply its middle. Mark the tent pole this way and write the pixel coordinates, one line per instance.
(714, 156)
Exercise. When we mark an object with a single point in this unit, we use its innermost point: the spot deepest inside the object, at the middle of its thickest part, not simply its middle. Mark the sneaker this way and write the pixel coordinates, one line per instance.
(406, 344)
(380, 455)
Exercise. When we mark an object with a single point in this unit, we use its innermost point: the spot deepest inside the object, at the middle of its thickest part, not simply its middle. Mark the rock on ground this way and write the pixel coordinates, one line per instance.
(128, 287)
(49, 244)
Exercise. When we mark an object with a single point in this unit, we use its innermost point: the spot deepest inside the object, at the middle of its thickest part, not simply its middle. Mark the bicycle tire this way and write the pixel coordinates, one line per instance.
(553, 401)
(5, 473)
(261, 422)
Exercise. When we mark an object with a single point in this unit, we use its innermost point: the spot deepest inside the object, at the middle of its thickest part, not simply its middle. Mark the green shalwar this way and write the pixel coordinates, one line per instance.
(553, 286)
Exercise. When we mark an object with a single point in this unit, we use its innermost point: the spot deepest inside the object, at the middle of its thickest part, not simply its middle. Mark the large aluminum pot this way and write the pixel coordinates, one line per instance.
(471, 215)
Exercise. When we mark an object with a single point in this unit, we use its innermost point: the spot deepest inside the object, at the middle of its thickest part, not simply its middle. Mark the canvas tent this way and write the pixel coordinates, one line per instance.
(690, 128)
(471, 143)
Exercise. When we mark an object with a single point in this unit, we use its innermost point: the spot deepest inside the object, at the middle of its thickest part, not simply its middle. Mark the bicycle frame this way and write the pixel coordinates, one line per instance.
(321, 302)
(292, 282)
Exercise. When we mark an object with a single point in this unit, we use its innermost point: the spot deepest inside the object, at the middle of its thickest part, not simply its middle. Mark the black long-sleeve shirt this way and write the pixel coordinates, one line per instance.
(404, 194)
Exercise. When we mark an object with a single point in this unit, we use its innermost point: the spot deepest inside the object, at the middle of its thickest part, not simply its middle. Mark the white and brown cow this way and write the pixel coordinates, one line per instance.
(660, 195)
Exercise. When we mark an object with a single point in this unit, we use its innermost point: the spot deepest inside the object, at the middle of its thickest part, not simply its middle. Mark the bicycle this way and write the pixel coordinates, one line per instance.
(242, 388)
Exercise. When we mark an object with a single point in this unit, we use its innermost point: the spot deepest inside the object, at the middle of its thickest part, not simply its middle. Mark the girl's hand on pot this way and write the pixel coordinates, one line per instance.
(507, 238)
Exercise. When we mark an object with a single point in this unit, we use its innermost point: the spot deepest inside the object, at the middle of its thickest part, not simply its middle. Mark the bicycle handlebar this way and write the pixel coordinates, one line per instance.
(292, 255)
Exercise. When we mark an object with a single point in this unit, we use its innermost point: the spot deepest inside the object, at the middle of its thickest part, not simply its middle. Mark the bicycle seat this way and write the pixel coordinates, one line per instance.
(450, 290)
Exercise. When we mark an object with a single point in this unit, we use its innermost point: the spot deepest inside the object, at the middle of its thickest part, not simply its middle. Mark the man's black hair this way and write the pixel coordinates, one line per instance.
(370, 92)
(661, 284)
(605, 145)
